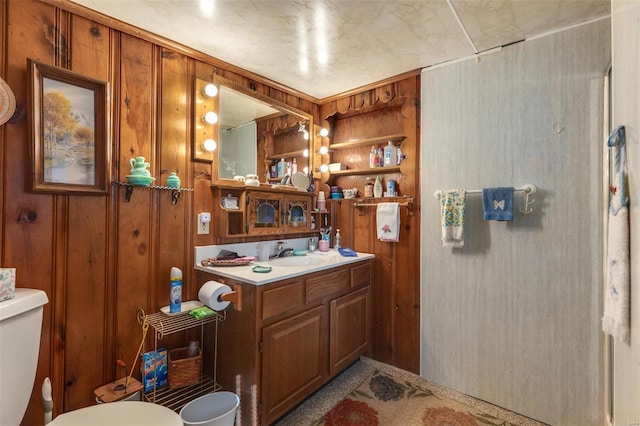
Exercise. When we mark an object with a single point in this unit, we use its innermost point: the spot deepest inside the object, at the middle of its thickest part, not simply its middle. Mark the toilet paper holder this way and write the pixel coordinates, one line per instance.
(235, 297)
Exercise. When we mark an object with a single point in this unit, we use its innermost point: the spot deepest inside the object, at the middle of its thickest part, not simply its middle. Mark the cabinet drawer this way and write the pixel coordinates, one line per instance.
(361, 274)
(282, 299)
(327, 284)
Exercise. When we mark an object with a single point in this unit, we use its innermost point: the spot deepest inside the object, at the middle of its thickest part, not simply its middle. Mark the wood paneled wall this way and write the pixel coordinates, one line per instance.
(386, 109)
(99, 258)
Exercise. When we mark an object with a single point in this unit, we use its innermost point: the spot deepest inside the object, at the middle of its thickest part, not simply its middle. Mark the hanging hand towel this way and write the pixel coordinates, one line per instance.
(617, 311)
(452, 210)
(388, 222)
(498, 203)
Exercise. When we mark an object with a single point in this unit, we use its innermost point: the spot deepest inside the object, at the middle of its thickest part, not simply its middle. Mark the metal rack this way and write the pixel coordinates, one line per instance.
(164, 325)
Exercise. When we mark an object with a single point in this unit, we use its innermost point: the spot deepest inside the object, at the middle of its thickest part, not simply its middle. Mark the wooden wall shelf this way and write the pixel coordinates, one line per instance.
(367, 171)
(371, 141)
(175, 192)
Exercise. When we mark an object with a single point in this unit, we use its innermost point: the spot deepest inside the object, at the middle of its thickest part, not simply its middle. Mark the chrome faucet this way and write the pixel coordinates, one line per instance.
(281, 251)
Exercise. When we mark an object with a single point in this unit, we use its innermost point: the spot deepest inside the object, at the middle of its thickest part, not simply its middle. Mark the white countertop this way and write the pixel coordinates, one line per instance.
(245, 274)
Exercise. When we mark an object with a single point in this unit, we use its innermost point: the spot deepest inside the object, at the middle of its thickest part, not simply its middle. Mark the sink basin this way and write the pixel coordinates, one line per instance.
(298, 261)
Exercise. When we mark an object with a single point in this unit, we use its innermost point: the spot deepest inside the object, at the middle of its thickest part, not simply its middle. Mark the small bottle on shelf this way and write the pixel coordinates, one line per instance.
(390, 155)
(336, 243)
(368, 188)
(372, 157)
(380, 157)
(282, 165)
(294, 167)
(377, 187)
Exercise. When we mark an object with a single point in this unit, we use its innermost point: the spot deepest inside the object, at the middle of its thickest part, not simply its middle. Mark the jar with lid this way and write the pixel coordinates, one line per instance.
(368, 188)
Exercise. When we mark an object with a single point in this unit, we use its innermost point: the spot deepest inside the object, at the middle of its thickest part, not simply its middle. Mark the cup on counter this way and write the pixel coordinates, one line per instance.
(263, 252)
(313, 243)
(323, 245)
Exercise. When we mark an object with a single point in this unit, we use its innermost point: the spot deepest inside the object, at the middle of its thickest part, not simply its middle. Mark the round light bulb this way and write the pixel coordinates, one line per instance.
(209, 145)
(210, 90)
(323, 150)
(324, 132)
(210, 117)
(324, 168)
(305, 170)
(305, 135)
(305, 153)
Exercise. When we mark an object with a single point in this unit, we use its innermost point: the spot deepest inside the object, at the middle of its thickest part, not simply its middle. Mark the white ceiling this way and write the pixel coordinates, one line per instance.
(326, 47)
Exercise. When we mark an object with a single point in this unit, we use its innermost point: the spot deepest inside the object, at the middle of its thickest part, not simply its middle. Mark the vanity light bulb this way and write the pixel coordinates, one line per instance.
(305, 135)
(305, 171)
(210, 117)
(323, 150)
(210, 90)
(305, 153)
(209, 145)
(324, 168)
(324, 132)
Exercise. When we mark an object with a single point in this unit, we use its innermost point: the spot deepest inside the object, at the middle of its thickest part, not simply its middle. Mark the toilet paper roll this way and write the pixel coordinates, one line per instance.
(210, 293)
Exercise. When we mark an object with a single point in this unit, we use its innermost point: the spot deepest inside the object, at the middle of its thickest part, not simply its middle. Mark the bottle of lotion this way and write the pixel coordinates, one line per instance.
(377, 188)
(175, 295)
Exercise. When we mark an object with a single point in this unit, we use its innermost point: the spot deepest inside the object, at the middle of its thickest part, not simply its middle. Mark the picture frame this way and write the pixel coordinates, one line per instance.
(69, 130)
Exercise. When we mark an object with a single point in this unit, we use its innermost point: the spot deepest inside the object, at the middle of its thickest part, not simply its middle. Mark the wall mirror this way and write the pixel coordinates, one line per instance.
(257, 132)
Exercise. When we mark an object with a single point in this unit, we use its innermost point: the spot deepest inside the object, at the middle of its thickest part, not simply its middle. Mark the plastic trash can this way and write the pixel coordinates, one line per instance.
(213, 409)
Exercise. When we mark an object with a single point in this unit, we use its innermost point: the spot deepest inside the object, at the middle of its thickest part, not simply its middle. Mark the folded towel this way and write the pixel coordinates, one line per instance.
(347, 252)
(452, 210)
(616, 319)
(498, 203)
(388, 222)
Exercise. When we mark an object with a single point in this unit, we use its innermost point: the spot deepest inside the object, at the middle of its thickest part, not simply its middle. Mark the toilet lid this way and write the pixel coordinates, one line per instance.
(123, 413)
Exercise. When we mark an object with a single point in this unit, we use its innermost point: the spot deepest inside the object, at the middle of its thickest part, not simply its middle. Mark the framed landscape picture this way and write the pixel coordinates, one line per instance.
(69, 126)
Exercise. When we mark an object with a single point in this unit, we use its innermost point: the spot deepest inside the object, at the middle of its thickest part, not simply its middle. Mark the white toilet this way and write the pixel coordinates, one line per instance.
(20, 326)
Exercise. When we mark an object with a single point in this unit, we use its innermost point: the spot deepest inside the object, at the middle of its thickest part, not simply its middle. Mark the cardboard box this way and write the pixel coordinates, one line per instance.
(154, 369)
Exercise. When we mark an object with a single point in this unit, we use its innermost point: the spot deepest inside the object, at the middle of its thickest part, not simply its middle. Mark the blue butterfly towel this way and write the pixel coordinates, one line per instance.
(498, 203)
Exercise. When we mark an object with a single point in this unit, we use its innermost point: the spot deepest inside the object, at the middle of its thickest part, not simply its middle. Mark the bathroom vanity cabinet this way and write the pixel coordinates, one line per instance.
(257, 211)
(292, 336)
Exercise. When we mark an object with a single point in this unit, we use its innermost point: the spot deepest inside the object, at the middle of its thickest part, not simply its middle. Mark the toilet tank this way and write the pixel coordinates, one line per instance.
(20, 326)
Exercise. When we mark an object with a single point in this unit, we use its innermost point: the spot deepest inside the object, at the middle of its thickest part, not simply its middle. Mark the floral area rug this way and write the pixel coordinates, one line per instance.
(383, 399)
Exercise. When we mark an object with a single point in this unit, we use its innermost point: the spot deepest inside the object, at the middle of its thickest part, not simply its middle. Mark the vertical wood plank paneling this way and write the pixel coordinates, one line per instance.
(514, 317)
(28, 239)
(100, 259)
(172, 238)
(85, 259)
(133, 224)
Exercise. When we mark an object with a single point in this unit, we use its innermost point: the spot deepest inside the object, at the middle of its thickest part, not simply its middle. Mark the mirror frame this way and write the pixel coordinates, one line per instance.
(287, 109)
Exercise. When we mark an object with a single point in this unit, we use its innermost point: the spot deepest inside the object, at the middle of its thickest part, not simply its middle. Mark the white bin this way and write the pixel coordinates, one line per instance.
(214, 409)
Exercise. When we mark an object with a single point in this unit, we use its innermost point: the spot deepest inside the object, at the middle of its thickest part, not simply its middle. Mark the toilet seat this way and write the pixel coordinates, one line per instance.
(123, 413)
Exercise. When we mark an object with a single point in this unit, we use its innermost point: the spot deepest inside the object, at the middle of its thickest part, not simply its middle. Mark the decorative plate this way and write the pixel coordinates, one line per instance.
(7, 102)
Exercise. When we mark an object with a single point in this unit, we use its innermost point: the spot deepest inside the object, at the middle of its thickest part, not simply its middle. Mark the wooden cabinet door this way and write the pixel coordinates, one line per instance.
(298, 213)
(350, 329)
(294, 361)
(265, 213)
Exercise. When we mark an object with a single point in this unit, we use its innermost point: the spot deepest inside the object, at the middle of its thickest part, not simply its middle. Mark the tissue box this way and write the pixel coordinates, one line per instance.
(336, 167)
(7, 283)
(154, 369)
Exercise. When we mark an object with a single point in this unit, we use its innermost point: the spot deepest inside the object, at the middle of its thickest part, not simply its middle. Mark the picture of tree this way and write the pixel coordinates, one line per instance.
(68, 133)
